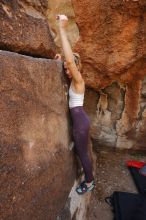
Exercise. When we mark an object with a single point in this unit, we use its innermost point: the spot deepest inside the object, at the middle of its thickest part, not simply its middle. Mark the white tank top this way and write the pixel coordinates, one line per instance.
(75, 99)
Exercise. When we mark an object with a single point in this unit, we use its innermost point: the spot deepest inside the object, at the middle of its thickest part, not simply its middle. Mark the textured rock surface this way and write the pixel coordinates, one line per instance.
(112, 45)
(24, 28)
(112, 40)
(110, 124)
(34, 138)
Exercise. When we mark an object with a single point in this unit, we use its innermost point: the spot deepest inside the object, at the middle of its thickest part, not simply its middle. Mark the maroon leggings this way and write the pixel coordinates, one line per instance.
(81, 126)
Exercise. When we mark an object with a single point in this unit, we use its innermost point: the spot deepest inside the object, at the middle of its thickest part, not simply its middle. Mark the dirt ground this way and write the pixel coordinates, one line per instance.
(111, 175)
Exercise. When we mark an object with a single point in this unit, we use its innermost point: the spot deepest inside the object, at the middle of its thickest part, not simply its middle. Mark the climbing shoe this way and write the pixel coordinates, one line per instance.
(83, 188)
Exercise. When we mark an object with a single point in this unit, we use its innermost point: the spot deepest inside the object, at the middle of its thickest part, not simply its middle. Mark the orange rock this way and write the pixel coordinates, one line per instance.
(112, 46)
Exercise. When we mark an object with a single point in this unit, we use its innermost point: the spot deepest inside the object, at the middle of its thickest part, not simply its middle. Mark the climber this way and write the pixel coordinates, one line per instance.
(72, 66)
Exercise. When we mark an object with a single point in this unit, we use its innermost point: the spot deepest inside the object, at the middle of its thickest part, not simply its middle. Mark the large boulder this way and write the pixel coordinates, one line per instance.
(24, 28)
(112, 46)
(36, 166)
(112, 39)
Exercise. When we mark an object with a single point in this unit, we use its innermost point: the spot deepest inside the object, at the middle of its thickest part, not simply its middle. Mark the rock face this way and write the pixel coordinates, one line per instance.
(24, 28)
(36, 168)
(112, 37)
(112, 46)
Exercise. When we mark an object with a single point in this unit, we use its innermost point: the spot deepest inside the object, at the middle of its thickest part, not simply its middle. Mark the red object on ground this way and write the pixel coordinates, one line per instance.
(134, 163)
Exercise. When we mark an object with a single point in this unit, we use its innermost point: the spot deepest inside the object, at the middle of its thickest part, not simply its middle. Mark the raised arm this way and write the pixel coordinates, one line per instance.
(77, 77)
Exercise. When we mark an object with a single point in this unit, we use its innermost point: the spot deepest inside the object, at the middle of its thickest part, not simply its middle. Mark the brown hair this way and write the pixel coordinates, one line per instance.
(77, 60)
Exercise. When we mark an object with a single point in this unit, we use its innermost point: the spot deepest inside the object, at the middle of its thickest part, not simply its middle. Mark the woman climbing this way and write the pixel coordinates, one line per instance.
(72, 66)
